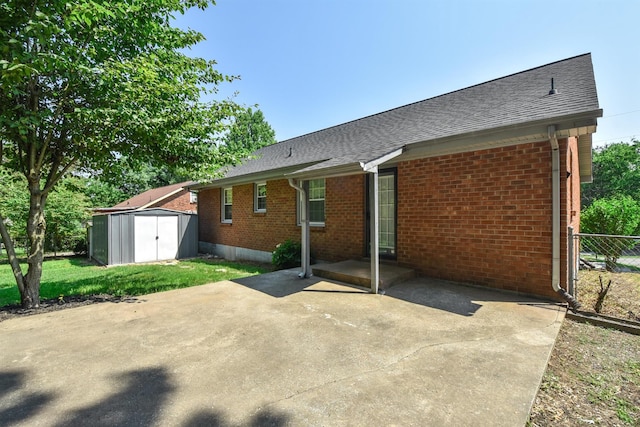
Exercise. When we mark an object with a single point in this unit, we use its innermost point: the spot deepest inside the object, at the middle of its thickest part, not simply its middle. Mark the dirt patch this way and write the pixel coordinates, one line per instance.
(62, 303)
(593, 378)
(623, 298)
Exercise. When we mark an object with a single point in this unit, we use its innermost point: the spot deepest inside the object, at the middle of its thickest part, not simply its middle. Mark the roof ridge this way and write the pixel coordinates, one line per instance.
(431, 98)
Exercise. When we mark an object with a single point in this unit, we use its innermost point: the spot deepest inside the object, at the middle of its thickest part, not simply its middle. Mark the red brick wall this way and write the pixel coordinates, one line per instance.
(341, 238)
(481, 217)
(208, 214)
(343, 235)
(180, 201)
(570, 189)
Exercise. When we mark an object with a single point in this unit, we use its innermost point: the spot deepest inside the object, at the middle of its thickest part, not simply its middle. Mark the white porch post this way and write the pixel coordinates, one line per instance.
(303, 192)
(374, 237)
(306, 241)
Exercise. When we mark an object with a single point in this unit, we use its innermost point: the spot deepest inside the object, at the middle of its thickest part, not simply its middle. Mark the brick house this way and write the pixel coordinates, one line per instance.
(478, 186)
(175, 197)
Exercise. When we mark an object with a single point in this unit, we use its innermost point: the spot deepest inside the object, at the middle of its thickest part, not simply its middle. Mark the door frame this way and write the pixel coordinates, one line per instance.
(367, 235)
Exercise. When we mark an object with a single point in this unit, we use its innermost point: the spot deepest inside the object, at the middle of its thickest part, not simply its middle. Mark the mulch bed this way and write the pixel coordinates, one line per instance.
(55, 304)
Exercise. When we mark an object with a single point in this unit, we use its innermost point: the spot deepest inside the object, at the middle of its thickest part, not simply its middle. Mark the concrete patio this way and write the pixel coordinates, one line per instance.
(277, 350)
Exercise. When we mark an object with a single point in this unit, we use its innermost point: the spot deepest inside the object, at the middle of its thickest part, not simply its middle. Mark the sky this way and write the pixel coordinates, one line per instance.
(313, 64)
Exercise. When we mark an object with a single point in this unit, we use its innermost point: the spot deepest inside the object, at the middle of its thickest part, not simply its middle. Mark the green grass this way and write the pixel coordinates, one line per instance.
(77, 276)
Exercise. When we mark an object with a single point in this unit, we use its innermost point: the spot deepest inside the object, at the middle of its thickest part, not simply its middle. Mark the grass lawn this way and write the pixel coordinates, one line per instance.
(78, 276)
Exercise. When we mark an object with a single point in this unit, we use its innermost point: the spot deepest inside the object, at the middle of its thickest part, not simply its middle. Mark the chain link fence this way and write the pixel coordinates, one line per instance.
(606, 274)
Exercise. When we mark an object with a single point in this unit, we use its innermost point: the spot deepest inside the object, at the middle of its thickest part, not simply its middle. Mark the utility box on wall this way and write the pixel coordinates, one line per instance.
(143, 236)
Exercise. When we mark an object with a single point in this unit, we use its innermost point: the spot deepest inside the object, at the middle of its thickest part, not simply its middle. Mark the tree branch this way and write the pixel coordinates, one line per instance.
(56, 115)
(54, 177)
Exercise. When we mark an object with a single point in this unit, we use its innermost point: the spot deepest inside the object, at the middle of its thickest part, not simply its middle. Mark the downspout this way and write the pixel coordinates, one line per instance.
(304, 224)
(555, 220)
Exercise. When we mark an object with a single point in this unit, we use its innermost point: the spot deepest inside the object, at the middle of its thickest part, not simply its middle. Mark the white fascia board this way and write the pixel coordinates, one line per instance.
(263, 176)
(329, 172)
(159, 199)
(372, 166)
(574, 125)
(585, 158)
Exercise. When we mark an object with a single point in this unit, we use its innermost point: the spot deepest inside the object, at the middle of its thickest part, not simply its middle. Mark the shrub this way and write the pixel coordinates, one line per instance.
(617, 215)
(287, 255)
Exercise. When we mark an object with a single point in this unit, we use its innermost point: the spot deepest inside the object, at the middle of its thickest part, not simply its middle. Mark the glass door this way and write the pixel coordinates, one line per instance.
(387, 214)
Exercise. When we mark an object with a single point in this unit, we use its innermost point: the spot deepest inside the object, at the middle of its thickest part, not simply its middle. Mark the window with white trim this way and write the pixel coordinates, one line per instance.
(316, 202)
(260, 197)
(227, 204)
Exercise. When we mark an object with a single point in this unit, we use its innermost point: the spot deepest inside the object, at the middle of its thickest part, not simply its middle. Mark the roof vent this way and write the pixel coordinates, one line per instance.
(553, 90)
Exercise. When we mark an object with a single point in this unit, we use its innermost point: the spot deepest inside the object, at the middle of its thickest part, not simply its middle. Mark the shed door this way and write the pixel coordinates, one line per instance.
(167, 237)
(156, 238)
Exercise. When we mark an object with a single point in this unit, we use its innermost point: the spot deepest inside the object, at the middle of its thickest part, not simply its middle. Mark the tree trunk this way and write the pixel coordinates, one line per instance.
(11, 255)
(36, 227)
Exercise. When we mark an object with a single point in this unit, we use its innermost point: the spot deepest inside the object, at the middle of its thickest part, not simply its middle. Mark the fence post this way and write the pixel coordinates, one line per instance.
(572, 262)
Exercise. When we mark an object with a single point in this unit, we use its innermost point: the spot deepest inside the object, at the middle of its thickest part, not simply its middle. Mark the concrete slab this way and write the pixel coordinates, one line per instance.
(277, 350)
(359, 273)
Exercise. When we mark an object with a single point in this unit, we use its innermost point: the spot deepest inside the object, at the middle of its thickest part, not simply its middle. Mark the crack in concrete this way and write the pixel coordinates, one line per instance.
(405, 357)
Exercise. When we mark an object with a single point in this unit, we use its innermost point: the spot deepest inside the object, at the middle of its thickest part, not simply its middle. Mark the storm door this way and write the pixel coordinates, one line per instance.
(387, 200)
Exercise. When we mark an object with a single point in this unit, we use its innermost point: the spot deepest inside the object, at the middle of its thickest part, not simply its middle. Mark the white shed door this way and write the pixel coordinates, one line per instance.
(156, 238)
(167, 237)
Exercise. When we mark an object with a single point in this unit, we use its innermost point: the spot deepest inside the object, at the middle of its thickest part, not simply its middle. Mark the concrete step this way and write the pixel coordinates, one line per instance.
(359, 273)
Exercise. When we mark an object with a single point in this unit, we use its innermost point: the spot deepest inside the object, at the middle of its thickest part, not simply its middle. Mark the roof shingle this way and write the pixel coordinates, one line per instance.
(151, 196)
(512, 100)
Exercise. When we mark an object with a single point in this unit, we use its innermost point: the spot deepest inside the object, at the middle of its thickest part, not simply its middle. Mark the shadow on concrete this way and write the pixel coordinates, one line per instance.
(138, 402)
(282, 283)
(457, 298)
(264, 418)
(452, 297)
(435, 294)
(15, 406)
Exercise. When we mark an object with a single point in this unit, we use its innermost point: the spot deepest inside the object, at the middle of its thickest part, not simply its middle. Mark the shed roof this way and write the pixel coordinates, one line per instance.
(510, 105)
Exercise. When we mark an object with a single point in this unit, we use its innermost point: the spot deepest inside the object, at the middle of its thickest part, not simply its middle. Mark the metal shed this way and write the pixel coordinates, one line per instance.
(143, 235)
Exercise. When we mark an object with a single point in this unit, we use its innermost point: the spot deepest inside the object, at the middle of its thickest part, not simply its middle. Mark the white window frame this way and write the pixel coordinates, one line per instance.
(257, 197)
(324, 200)
(224, 204)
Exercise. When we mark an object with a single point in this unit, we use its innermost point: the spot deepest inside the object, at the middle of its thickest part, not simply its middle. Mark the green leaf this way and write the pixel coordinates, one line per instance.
(114, 82)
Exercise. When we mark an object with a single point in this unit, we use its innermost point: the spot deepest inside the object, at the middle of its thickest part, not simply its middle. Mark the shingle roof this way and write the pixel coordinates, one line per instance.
(508, 101)
(152, 196)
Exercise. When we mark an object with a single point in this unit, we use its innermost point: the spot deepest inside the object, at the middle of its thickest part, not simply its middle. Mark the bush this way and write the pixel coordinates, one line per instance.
(287, 255)
(617, 215)
(81, 247)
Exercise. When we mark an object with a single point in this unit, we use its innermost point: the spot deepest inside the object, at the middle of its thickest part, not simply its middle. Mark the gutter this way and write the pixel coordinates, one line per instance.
(555, 221)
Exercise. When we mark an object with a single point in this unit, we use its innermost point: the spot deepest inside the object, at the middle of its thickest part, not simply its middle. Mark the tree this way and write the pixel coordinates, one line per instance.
(616, 170)
(14, 205)
(124, 180)
(102, 194)
(67, 213)
(249, 132)
(618, 216)
(68, 209)
(84, 83)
